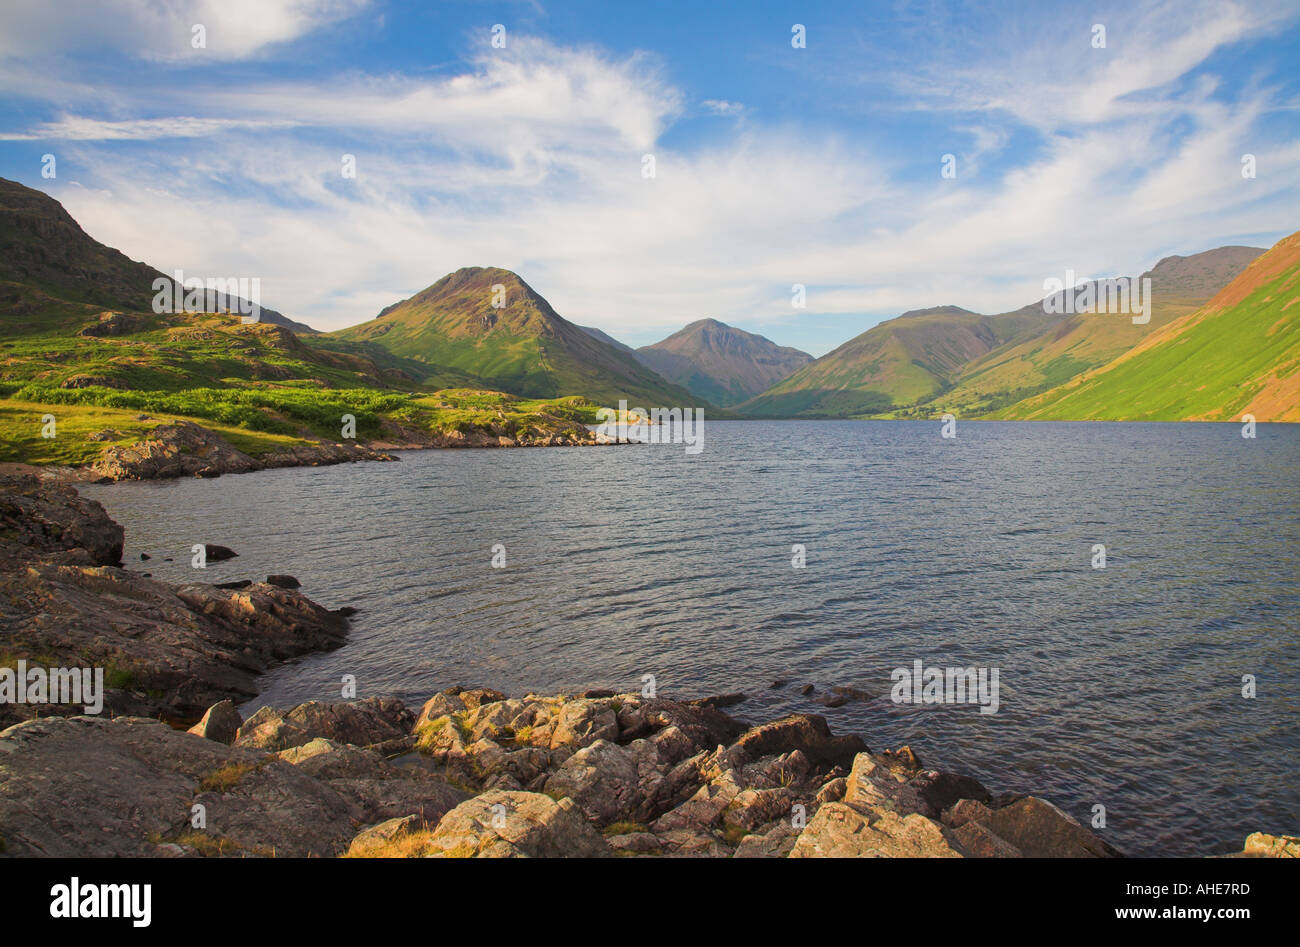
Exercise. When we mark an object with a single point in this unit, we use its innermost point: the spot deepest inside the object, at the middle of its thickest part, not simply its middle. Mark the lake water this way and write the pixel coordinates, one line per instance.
(1118, 686)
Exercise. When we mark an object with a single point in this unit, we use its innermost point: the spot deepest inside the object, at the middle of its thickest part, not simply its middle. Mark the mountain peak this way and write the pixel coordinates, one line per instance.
(719, 362)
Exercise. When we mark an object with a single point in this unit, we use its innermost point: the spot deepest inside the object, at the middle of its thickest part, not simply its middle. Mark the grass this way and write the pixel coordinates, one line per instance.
(227, 777)
(211, 846)
(21, 424)
(406, 844)
(623, 828)
(256, 421)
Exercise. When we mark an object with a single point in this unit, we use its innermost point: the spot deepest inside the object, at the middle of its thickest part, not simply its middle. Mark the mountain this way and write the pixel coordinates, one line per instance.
(51, 267)
(903, 361)
(950, 359)
(1080, 341)
(721, 363)
(75, 313)
(523, 347)
(610, 340)
(1238, 354)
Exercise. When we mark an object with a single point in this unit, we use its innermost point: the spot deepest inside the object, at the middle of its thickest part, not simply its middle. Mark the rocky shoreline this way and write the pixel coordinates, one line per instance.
(186, 449)
(470, 773)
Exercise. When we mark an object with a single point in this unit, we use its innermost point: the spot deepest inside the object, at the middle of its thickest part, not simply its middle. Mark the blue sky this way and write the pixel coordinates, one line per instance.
(773, 165)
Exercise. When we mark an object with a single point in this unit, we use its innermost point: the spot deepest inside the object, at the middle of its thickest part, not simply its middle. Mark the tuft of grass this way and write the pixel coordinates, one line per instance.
(227, 777)
(623, 828)
(732, 833)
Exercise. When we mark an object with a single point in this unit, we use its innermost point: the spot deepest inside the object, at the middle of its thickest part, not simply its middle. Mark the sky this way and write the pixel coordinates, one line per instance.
(1092, 138)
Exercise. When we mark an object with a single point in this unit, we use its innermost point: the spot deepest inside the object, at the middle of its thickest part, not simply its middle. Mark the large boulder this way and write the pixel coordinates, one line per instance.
(808, 733)
(839, 830)
(221, 723)
(1038, 829)
(611, 783)
(499, 824)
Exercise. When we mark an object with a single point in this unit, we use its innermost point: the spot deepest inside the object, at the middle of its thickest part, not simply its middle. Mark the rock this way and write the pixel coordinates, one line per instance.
(283, 581)
(706, 727)
(379, 837)
(839, 830)
(635, 843)
(806, 690)
(938, 790)
(185, 449)
(853, 693)
(52, 522)
(145, 557)
(516, 824)
(134, 782)
(978, 841)
(1260, 845)
(221, 723)
(477, 697)
(237, 584)
(833, 791)
(966, 810)
(361, 723)
(1040, 830)
(327, 759)
(611, 783)
(808, 733)
(718, 701)
(215, 553)
(582, 722)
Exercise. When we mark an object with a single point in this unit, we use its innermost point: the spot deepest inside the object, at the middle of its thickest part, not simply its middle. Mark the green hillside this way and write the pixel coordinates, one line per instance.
(897, 363)
(1238, 354)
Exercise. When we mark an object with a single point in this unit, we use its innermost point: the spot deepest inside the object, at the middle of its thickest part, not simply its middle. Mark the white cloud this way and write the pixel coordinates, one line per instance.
(162, 30)
(531, 159)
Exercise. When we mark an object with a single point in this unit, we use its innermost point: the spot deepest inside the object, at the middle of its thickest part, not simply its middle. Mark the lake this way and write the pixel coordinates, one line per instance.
(1119, 687)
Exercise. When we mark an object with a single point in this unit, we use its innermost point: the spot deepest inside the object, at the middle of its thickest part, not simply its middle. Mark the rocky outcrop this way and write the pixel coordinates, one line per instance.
(185, 449)
(478, 776)
(170, 651)
(39, 519)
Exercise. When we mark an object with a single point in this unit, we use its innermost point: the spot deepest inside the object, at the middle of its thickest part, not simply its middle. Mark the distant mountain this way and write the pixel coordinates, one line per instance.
(1238, 354)
(610, 340)
(903, 361)
(951, 359)
(1078, 342)
(721, 363)
(523, 346)
(51, 267)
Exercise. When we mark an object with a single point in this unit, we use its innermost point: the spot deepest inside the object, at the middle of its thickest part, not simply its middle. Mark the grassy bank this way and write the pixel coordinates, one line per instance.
(254, 420)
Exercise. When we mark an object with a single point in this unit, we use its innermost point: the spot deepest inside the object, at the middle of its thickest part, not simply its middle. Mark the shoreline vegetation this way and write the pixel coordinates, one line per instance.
(105, 435)
(471, 773)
